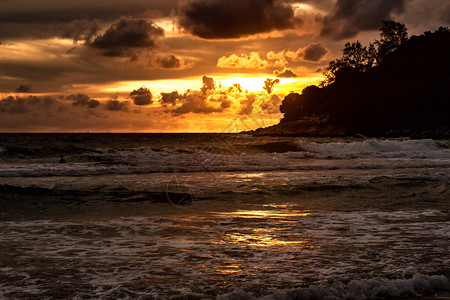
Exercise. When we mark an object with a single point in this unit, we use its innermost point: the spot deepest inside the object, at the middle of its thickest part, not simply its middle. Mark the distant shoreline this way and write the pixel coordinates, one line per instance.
(307, 129)
(282, 130)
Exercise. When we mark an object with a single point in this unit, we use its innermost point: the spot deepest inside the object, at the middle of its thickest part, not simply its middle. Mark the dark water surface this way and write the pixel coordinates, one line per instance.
(226, 216)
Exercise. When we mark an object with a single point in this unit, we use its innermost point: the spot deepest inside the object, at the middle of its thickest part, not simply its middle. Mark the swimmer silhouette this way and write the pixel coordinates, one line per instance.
(62, 160)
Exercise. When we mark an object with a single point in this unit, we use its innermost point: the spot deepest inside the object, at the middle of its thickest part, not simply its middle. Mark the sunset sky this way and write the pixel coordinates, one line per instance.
(174, 65)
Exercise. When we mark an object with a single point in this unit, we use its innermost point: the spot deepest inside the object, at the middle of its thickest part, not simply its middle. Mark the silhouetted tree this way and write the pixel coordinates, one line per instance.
(354, 55)
(362, 59)
(442, 29)
(395, 85)
(393, 35)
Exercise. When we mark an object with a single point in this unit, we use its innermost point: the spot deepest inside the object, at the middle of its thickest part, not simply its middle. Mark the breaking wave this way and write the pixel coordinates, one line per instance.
(272, 156)
(374, 148)
(375, 288)
(45, 151)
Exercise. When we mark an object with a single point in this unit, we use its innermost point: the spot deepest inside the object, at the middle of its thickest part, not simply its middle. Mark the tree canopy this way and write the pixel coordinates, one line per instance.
(395, 83)
(364, 58)
(392, 36)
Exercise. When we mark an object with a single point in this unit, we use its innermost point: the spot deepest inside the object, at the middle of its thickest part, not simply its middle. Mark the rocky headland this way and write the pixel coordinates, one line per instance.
(395, 87)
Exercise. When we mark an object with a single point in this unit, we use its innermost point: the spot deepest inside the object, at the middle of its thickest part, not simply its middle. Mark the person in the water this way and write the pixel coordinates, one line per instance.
(62, 160)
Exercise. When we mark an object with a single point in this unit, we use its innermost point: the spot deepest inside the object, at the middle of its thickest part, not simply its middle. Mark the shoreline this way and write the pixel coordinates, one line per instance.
(306, 128)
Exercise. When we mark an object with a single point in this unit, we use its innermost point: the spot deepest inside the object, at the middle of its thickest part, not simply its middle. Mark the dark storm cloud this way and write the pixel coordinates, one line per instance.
(51, 105)
(315, 52)
(127, 33)
(20, 105)
(224, 19)
(23, 88)
(13, 105)
(32, 19)
(80, 29)
(116, 105)
(286, 73)
(83, 100)
(49, 11)
(170, 98)
(32, 104)
(169, 62)
(142, 96)
(349, 17)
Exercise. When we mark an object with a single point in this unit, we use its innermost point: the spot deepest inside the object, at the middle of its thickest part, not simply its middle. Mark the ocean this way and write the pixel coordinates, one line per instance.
(223, 216)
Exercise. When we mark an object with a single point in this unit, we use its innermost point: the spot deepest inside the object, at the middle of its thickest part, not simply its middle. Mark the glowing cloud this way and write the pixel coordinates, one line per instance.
(252, 61)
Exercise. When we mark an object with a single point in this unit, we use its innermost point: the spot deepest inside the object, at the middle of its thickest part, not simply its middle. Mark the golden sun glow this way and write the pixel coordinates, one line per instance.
(250, 84)
(156, 86)
(140, 66)
(307, 7)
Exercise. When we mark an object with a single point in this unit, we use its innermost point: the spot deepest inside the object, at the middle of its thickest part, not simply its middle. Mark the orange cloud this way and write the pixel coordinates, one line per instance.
(252, 61)
(206, 108)
(127, 34)
(285, 73)
(279, 60)
(269, 84)
(314, 52)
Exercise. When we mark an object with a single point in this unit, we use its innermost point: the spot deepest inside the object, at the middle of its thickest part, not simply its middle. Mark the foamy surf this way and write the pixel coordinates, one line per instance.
(376, 288)
(368, 154)
(202, 253)
(375, 148)
(222, 217)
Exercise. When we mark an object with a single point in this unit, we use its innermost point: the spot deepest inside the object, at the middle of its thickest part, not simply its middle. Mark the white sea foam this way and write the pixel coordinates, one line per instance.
(375, 148)
(350, 220)
(315, 156)
(346, 255)
(368, 154)
(368, 227)
(375, 288)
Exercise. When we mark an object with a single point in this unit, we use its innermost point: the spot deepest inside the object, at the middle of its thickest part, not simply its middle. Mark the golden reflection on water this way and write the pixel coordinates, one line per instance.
(258, 240)
(241, 239)
(268, 234)
(264, 214)
(231, 269)
(246, 175)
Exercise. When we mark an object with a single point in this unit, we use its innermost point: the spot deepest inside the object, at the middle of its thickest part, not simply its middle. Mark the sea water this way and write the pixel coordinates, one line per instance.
(223, 216)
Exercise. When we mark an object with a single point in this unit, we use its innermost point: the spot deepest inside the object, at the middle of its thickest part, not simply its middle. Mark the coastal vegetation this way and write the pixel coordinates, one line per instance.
(395, 86)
